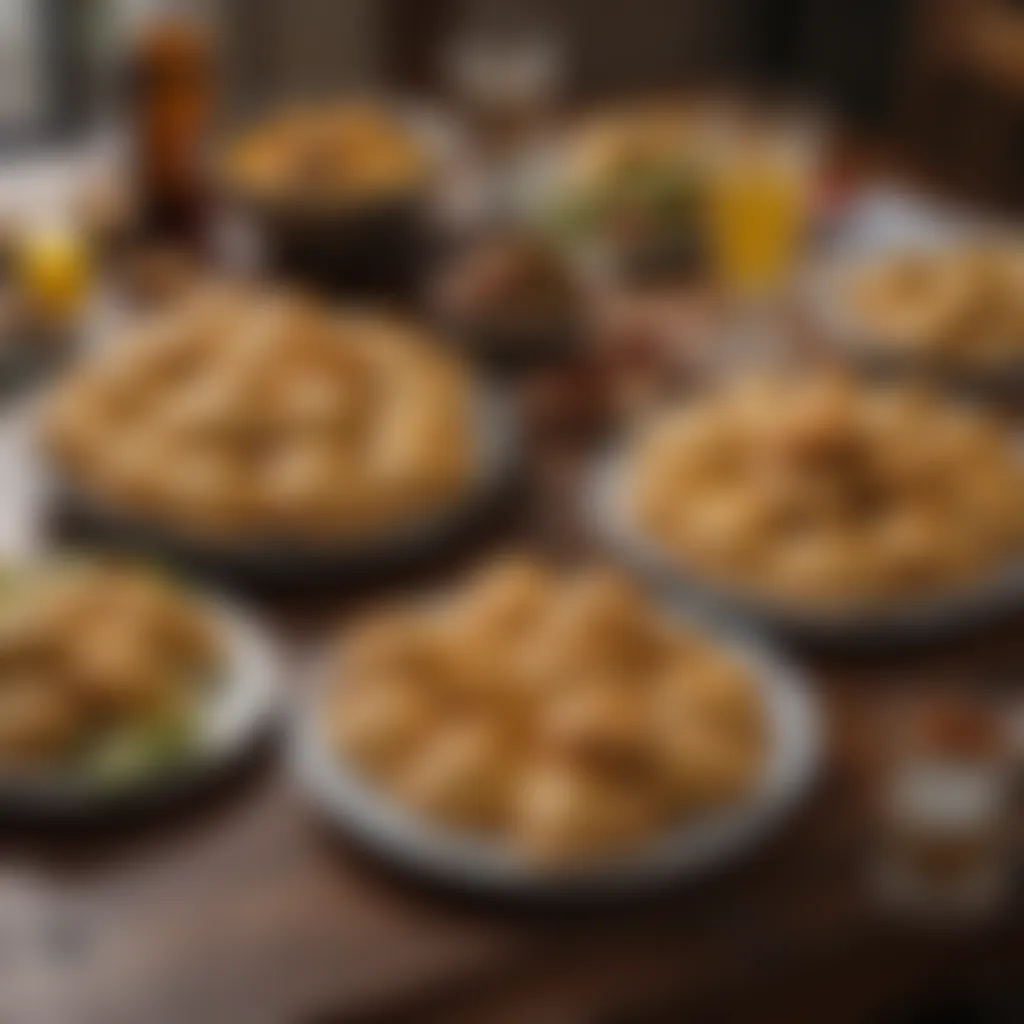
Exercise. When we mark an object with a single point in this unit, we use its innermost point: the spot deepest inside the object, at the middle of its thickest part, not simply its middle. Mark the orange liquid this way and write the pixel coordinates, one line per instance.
(757, 217)
(54, 272)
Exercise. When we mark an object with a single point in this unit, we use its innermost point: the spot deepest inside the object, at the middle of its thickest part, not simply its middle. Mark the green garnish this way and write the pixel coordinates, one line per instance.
(130, 754)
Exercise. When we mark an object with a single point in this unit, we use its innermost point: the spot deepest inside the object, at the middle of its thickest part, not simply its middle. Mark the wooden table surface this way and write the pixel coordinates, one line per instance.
(241, 906)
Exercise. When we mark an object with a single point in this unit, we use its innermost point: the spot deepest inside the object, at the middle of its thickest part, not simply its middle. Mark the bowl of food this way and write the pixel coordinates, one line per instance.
(553, 733)
(258, 432)
(834, 508)
(336, 193)
(511, 300)
(951, 307)
(627, 193)
(120, 684)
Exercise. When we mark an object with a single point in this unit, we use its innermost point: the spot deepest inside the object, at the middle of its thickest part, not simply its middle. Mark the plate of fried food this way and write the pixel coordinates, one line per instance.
(544, 731)
(836, 508)
(950, 306)
(120, 684)
(259, 431)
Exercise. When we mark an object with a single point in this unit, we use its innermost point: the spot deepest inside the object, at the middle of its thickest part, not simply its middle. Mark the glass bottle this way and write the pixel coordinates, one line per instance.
(170, 80)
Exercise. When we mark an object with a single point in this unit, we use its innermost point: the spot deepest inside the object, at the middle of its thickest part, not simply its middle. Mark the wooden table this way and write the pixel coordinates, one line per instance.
(241, 907)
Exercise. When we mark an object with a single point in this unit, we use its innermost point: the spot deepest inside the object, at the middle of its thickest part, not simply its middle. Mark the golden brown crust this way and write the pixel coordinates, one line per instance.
(339, 156)
(254, 416)
(827, 493)
(88, 650)
(960, 307)
(561, 714)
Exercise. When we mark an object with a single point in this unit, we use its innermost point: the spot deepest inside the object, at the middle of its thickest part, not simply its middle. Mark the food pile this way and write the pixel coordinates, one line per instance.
(252, 416)
(957, 306)
(338, 156)
(103, 668)
(561, 715)
(829, 493)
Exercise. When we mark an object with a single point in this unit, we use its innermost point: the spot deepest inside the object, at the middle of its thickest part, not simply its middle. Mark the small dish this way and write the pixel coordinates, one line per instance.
(511, 302)
(354, 234)
(937, 355)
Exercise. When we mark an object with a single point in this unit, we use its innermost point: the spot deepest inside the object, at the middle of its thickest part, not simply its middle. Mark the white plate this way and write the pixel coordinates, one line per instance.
(494, 429)
(825, 296)
(919, 619)
(357, 807)
(238, 711)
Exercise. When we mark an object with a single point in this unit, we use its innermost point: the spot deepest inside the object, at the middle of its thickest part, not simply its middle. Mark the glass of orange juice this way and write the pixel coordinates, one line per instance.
(761, 177)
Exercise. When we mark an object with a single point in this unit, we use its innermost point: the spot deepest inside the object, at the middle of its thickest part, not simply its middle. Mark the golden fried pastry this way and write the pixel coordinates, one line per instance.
(459, 774)
(702, 768)
(378, 723)
(562, 715)
(563, 814)
(255, 416)
(338, 156)
(96, 658)
(821, 491)
(37, 722)
(960, 306)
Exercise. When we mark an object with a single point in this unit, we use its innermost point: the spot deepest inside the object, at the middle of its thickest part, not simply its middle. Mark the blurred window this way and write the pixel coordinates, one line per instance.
(24, 96)
(46, 66)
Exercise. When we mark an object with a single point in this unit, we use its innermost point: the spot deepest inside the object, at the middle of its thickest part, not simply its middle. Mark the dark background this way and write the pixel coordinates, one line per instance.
(941, 80)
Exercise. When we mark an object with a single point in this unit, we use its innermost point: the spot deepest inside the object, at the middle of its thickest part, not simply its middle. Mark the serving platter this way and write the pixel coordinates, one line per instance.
(359, 810)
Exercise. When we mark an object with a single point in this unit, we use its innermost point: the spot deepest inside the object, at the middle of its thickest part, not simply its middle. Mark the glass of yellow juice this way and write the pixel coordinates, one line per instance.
(757, 213)
(54, 271)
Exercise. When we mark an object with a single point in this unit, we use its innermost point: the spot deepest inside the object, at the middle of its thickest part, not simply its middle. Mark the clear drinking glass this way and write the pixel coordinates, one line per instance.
(760, 188)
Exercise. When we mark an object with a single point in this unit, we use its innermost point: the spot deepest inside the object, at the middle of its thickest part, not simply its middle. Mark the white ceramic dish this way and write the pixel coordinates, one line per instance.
(238, 710)
(362, 811)
(825, 296)
(920, 619)
(495, 432)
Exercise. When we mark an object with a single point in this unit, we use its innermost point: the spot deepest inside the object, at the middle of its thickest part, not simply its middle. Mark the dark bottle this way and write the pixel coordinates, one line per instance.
(171, 85)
